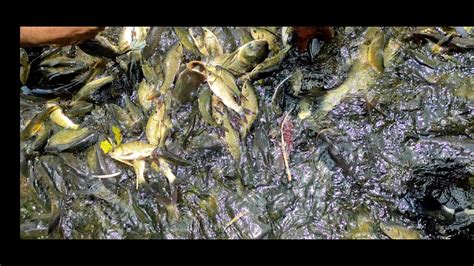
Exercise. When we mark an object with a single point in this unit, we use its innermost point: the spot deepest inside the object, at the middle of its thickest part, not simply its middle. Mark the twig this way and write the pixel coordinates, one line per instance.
(108, 176)
(237, 217)
(469, 211)
(283, 148)
(278, 87)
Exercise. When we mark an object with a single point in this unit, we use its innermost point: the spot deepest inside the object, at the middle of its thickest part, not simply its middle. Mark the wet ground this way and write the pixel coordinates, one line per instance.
(366, 149)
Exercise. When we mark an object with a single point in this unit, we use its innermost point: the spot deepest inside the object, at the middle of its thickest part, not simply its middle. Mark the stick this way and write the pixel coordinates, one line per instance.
(278, 87)
(237, 217)
(108, 176)
(283, 149)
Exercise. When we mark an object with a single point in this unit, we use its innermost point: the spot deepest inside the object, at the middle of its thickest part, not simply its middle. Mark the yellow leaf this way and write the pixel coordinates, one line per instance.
(117, 135)
(105, 146)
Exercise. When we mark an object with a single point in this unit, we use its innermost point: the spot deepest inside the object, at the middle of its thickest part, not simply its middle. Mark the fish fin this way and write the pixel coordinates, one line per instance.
(224, 129)
(162, 200)
(248, 112)
(153, 95)
(218, 111)
(243, 118)
(220, 134)
(123, 161)
(242, 97)
(54, 220)
(156, 153)
(175, 196)
(241, 80)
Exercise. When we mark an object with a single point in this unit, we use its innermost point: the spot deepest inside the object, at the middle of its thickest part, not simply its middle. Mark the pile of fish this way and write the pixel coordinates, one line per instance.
(135, 104)
(225, 105)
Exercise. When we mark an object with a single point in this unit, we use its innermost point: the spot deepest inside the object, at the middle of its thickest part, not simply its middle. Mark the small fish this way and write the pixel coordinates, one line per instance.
(58, 117)
(222, 91)
(245, 58)
(249, 102)
(134, 150)
(204, 105)
(185, 39)
(36, 123)
(144, 91)
(399, 232)
(158, 125)
(260, 33)
(212, 44)
(170, 66)
(171, 206)
(164, 168)
(139, 166)
(161, 152)
(375, 52)
(231, 137)
(90, 88)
